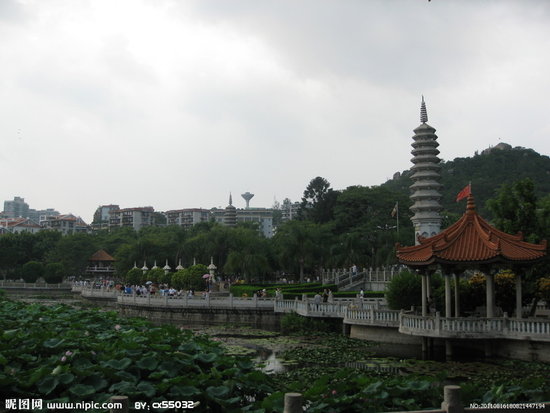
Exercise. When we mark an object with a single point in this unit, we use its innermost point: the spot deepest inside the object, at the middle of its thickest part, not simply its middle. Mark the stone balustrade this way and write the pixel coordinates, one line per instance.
(376, 279)
(372, 317)
(475, 327)
(197, 301)
(334, 309)
(35, 285)
(353, 311)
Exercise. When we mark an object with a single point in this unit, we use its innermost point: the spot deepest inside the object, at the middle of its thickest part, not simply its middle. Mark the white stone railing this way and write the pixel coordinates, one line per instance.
(475, 327)
(372, 316)
(344, 276)
(18, 284)
(97, 292)
(336, 308)
(197, 301)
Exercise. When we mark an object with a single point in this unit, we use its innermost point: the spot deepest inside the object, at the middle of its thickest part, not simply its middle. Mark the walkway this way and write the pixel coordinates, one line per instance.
(367, 311)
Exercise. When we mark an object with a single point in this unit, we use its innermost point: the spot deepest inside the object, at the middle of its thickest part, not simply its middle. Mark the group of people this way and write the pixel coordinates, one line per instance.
(151, 289)
(325, 297)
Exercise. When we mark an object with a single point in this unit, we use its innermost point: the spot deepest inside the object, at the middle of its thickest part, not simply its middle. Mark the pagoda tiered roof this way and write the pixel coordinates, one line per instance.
(471, 240)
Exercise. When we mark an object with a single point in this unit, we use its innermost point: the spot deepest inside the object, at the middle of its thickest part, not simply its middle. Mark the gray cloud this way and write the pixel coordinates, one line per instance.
(174, 104)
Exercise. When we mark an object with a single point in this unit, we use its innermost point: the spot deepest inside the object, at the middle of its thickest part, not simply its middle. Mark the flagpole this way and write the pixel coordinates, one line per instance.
(397, 219)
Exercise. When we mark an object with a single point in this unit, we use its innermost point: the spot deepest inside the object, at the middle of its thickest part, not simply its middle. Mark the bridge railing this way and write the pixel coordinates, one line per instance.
(475, 327)
(21, 284)
(345, 276)
(335, 308)
(195, 301)
(372, 316)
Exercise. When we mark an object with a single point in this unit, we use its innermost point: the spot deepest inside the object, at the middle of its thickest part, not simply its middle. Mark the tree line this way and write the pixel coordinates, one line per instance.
(335, 228)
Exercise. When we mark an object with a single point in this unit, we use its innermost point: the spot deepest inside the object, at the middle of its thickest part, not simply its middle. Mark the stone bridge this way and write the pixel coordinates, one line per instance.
(353, 312)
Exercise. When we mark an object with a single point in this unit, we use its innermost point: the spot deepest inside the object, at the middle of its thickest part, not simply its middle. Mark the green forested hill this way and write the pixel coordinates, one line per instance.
(487, 172)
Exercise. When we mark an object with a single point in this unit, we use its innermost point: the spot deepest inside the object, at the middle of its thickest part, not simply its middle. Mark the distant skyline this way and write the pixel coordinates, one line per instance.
(175, 104)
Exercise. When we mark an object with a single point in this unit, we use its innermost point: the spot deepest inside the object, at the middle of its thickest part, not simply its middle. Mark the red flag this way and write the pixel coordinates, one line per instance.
(465, 193)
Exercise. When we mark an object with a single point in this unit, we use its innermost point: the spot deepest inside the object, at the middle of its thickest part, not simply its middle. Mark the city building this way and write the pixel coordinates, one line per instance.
(17, 208)
(18, 225)
(66, 224)
(289, 210)
(136, 218)
(262, 216)
(102, 216)
(188, 217)
(39, 215)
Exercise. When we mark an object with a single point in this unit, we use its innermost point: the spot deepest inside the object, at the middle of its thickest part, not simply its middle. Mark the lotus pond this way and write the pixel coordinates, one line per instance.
(64, 354)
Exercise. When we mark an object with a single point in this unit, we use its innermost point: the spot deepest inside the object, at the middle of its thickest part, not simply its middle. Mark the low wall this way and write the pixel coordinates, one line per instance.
(50, 292)
(526, 350)
(256, 318)
(404, 345)
(393, 343)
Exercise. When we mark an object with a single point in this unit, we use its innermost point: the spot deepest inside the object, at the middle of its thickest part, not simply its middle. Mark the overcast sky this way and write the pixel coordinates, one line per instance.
(175, 104)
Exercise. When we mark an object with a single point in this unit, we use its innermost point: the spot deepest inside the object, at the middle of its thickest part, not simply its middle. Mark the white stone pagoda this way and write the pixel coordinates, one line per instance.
(426, 176)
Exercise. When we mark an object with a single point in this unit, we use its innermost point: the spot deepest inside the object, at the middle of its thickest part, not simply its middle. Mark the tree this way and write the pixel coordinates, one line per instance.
(318, 201)
(248, 254)
(246, 263)
(32, 271)
(514, 209)
(133, 276)
(155, 275)
(190, 278)
(404, 291)
(73, 251)
(299, 244)
(365, 226)
(54, 273)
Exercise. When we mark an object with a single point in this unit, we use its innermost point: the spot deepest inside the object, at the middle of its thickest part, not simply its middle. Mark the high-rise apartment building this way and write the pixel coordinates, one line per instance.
(17, 208)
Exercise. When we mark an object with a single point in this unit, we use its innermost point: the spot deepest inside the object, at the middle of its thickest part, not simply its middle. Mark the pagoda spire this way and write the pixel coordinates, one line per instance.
(426, 179)
(423, 111)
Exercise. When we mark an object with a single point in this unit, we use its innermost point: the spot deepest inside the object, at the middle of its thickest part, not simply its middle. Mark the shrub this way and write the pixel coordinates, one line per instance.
(189, 278)
(133, 277)
(32, 271)
(54, 273)
(404, 291)
(155, 275)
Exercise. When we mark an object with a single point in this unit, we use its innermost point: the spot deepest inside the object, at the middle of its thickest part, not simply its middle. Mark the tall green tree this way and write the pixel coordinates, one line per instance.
(318, 201)
(249, 254)
(300, 245)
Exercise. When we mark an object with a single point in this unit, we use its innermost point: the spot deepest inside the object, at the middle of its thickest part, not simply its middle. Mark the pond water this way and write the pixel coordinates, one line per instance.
(276, 353)
(267, 350)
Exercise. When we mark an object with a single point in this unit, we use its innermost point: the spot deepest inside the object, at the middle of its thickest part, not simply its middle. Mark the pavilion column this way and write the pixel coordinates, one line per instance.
(457, 298)
(490, 284)
(519, 301)
(448, 296)
(424, 295)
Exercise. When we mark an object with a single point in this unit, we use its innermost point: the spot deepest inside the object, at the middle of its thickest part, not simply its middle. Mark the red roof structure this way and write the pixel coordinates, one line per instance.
(471, 240)
(101, 255)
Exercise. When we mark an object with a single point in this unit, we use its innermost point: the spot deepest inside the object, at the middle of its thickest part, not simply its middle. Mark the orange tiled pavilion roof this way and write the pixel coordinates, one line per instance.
(471, 240)
(101, 255)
